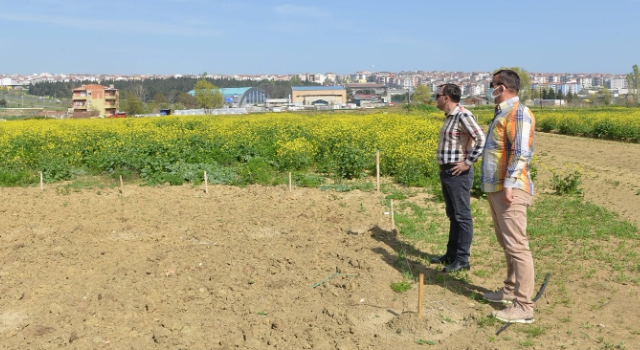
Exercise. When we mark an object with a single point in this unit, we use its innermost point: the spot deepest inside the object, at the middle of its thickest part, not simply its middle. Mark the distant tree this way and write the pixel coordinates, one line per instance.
(177, 106)
(606, 96)
(525, 82)
(560, 95)
(295, 80)
(422, 94)
(208, 95)
(571, 98)
(535, 93)
(544, 94)
(398, 98)
(146, 89)
(161, 100)
(633, 81)
(551, 94)
(3, 102)
(187, 100)
(171, 95)
(140, 91)
(132, 104)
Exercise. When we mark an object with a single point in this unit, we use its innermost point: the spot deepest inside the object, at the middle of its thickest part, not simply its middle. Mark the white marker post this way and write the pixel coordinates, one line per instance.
(420, 294)
(121, 185)
(41, 182)
(378, 170)
(290, 184)
(393, 221)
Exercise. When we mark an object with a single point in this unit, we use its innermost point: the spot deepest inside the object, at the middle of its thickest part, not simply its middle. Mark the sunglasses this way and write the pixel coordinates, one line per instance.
(438, 96)
(492, 85)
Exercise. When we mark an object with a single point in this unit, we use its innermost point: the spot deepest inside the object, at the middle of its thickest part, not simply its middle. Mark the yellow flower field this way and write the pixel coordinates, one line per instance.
(178, 149)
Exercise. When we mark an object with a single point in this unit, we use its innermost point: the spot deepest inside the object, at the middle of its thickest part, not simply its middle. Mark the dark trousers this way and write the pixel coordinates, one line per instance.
(457, 197)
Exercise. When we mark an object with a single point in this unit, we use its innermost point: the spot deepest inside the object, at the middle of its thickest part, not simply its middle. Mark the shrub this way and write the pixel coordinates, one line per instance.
(568, 184)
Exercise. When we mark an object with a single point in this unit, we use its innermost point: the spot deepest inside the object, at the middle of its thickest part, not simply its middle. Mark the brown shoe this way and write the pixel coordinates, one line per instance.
(499, 296)
(515, 313)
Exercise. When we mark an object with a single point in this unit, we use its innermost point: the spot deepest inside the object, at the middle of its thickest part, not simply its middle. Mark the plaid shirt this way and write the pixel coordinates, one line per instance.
(506, 160)
(461, 138)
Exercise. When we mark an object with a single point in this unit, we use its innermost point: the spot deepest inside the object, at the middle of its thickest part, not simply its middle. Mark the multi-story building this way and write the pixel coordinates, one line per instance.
(585, 82)
(96, 98)
(597, 81)
(554, 79)
(473, 90)
(572, 88)
(616, 83)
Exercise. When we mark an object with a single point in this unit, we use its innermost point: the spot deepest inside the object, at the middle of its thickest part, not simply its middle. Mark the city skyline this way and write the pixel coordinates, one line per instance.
(272, 37)
(109, 76)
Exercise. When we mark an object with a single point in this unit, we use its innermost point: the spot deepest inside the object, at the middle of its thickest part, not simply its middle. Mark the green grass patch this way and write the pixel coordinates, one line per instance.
(401, 287)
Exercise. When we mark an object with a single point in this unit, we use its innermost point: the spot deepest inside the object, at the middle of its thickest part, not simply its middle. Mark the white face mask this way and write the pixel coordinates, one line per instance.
(493, 95)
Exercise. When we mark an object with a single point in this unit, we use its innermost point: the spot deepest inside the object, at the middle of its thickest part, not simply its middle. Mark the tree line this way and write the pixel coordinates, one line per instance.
(150, 95)
(171, 87)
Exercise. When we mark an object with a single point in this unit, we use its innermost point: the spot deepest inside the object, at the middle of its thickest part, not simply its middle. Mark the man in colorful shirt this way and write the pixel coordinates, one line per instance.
(459, 147)
(506, 164)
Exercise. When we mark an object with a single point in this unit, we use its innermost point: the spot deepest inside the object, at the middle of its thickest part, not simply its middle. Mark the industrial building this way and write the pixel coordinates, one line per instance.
(318, 95)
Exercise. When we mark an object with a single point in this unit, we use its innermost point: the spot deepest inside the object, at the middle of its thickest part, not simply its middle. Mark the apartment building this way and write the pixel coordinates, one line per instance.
(96, 98)
(616, 83)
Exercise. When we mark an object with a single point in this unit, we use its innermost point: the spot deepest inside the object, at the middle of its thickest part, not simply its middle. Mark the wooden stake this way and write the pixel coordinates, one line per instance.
(378, 170)
(290, 186)
(420, 294)
(206, 183)
(121, 185)
(41, 182)
(393, 221)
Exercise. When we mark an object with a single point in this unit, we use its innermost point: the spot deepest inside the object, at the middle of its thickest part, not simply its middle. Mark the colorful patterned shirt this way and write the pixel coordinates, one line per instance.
(506, 159)
(461, 138)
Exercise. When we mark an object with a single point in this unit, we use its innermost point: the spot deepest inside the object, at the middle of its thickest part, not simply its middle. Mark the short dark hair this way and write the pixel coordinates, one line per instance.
(451, 90)
(509, 78)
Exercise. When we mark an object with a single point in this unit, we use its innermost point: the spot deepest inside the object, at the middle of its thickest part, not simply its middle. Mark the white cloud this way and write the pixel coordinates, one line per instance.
(306, 11)
(119, 26)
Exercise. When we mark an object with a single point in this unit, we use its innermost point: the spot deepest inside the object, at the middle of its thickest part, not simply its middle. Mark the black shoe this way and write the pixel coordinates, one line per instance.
(445, 260)
(457, 266)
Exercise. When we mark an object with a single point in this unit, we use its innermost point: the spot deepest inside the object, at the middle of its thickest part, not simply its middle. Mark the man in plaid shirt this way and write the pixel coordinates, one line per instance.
(459, 147)
(506, 164)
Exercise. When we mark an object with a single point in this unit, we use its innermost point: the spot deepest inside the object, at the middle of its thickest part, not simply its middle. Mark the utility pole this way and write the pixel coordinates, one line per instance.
(409, 92)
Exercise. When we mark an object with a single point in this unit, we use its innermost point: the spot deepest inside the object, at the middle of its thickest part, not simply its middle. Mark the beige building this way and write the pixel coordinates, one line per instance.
(318, 95)
(95, 98)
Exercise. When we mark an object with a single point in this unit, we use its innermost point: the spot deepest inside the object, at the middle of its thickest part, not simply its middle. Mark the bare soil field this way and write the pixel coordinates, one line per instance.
(610, 169)
(264, 268)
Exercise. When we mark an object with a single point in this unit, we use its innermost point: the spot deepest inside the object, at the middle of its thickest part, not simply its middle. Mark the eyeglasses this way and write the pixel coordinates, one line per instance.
(438, 96)
(492, 85)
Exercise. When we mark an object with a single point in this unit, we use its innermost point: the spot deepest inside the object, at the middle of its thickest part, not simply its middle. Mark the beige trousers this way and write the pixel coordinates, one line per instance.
(510, 224)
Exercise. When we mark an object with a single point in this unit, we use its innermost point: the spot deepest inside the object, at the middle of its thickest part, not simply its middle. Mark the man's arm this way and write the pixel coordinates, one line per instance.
(518, 132)
(474, 131)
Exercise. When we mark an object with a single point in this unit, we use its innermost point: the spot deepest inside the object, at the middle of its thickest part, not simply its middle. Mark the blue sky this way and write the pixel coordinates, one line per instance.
(286, 37)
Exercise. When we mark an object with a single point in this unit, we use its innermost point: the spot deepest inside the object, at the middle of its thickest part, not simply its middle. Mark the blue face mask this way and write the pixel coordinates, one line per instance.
(490, 97)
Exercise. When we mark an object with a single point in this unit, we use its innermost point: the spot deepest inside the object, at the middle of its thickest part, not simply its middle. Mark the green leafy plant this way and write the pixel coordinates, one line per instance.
(351, 162)
(401, 287)
(568, 184)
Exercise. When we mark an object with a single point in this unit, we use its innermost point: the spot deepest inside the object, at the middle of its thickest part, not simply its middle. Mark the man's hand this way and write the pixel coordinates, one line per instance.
(459, 168)
(508, 197)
